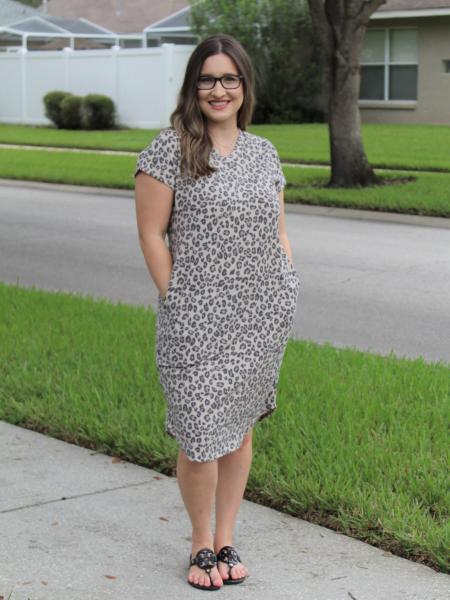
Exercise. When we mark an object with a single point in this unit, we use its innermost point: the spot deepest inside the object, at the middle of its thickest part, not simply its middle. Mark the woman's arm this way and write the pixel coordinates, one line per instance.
(282, 228)
(154, 201)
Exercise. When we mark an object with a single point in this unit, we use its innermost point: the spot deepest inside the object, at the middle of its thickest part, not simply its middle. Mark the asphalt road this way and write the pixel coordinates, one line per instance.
(377, 286)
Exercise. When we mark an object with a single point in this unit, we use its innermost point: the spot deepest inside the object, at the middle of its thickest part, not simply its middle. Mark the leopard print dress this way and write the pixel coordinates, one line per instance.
(223, 325)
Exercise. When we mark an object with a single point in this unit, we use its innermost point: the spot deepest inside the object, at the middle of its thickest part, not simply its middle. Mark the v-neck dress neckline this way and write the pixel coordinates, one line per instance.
(233, 151)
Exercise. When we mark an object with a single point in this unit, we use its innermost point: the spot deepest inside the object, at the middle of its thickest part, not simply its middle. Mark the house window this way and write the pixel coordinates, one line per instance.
(447, 66)
(389, 64)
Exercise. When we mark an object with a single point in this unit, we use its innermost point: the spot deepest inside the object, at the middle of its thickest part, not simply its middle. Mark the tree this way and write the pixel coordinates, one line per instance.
(277, 34)
(340, 26)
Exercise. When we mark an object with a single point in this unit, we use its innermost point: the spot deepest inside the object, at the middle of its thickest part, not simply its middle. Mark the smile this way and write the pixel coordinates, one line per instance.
(218, 105)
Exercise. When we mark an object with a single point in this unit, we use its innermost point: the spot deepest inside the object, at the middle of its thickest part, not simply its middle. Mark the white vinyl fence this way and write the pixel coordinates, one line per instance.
(142, 82)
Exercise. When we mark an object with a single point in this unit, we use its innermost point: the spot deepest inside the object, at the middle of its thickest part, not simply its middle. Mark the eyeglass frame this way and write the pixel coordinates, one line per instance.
(216, 79)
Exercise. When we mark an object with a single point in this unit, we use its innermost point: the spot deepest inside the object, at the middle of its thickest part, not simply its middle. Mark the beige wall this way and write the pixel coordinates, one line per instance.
(433, 93)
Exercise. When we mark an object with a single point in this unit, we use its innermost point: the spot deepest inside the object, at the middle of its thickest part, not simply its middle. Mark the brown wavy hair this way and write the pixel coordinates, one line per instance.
(187, 118)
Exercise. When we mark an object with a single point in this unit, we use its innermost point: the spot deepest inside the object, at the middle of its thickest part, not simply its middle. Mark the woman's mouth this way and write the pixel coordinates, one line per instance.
(219, 105)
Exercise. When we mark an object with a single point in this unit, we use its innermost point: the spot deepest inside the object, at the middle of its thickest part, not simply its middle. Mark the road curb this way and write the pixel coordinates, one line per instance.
(372, 215)
(307, 209)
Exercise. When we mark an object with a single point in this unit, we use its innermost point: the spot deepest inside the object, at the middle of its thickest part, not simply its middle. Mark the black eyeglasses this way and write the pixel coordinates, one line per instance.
(229, 82)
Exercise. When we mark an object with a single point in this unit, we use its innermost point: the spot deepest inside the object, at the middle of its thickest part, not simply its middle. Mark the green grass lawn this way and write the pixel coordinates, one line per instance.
(358, 442)
(394, 146)
(399, 146)
(428, 195)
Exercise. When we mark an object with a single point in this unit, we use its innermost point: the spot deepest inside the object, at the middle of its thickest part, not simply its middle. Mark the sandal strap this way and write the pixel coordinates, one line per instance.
(205, 559)
(229, 555)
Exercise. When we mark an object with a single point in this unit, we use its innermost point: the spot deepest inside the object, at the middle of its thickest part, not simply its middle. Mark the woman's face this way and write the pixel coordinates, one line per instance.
(218, 65)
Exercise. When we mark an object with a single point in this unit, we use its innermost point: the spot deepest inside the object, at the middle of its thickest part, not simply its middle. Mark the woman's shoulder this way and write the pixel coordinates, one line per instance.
(160, 157)
(169, 133)
(168, 138)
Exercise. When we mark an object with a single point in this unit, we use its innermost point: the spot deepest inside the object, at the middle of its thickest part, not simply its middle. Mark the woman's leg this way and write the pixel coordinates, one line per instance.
(197, 482)
(233, 471)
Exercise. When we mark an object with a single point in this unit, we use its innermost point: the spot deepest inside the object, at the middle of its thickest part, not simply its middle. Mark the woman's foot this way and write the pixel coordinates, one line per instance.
(200, 576)
(235, 572)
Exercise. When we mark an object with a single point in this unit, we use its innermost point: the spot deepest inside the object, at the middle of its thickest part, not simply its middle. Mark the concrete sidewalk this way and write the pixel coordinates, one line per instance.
(75, 525)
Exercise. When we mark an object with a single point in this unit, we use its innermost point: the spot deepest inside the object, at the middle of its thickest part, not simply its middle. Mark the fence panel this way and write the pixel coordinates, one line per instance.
(142, 82)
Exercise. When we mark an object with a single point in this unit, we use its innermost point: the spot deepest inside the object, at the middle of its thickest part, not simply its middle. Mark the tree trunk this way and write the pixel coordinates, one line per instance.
(349, 164)
(340, 26)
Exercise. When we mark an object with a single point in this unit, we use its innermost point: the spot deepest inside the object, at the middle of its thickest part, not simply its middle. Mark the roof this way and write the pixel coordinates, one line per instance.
(392, 5)
(56, 25)
(121, 16)
(396, 9)
(14, 11)
(177, 21)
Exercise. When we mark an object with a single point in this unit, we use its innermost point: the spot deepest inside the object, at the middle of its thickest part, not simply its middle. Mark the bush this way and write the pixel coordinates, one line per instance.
(70, 111)
(97, 112)
(52, 103)
(66, 110)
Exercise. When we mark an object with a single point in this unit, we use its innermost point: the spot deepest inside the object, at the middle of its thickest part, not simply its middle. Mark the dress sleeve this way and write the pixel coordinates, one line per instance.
(161, 158)
(275, 166)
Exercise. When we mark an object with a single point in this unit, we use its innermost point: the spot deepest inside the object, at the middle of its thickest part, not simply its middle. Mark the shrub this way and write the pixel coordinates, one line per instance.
(93, 111)
(52, 102)
(97, 112)
(70, 111)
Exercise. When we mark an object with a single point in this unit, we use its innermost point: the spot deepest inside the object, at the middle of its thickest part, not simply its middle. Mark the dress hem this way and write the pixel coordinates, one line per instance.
(252, 423)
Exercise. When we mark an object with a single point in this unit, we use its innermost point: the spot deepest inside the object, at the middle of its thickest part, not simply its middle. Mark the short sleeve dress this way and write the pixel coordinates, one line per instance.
(223, 325)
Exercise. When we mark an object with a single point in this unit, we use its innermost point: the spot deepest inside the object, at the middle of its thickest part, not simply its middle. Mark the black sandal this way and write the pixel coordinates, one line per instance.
(206, 560)
(229, 555)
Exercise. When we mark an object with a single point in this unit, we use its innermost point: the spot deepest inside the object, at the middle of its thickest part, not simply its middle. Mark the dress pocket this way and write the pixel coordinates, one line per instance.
(283, 290)
(289, 265)
(163, 300)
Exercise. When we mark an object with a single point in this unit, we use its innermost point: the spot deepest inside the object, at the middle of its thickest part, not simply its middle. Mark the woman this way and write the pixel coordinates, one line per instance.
(227, 290)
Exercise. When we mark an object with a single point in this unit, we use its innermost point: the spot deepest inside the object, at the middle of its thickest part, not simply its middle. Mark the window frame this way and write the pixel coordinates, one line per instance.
(387, 63)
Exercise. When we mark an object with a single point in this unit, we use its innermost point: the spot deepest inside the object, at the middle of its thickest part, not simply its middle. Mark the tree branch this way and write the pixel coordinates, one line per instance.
(321, 26)
(367, 8)
(335, 13)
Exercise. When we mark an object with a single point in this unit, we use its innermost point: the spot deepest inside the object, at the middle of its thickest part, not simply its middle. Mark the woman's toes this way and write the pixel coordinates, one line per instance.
(216, 578)
(203, 577)
(223, 570)
(194, 576)
(238, 571)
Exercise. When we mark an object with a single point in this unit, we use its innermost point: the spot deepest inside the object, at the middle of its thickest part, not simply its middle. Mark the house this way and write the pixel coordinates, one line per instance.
(165, 21)
(42, 32)
(173, 29)
(122, 16)
(405, 63)
(11, 11)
